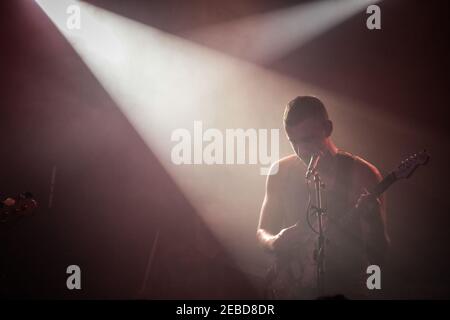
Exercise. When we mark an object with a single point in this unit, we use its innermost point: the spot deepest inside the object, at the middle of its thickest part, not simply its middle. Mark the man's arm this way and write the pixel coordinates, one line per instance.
(373, 221)
(270, 218)
(269, 232)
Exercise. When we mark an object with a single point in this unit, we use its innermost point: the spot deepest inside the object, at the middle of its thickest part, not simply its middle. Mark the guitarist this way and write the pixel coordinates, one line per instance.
(284, 229)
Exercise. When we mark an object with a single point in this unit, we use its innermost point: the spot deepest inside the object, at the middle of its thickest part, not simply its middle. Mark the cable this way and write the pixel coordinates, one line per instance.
(308, 209)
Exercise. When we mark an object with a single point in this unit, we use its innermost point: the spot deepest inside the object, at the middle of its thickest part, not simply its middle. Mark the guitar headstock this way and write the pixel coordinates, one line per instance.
(410, 164)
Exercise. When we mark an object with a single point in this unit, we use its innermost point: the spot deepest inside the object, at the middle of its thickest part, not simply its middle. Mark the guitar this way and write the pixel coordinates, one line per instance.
(14, 208)
(404, 171)
(281, 280)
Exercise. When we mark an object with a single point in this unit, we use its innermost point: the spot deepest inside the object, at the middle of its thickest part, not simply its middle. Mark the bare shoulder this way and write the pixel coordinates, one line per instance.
(285, 165)
(366, 172)
(283, 168)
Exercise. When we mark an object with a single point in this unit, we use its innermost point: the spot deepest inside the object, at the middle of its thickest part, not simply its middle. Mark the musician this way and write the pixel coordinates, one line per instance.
(283, 227)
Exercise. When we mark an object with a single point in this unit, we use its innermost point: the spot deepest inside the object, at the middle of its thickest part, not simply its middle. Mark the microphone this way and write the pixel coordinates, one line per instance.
(312, 165)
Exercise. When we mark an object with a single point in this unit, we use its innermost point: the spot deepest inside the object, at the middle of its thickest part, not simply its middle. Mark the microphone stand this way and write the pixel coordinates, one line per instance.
(319, 252)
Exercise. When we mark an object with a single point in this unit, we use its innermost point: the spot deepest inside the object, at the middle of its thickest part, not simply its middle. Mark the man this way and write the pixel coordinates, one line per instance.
(284, 229)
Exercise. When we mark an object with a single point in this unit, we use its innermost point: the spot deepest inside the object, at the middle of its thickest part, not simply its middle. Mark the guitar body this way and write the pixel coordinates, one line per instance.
(294, 276)
(285, 280)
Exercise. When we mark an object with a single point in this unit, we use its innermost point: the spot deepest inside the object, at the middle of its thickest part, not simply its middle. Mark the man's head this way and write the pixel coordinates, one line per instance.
(307, 126)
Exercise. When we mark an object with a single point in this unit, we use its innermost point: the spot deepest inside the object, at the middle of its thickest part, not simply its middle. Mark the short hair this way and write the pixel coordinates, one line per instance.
(304, 107)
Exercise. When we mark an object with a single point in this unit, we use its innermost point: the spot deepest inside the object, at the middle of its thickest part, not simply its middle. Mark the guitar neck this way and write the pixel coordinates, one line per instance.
(381, 187)
(376, 191)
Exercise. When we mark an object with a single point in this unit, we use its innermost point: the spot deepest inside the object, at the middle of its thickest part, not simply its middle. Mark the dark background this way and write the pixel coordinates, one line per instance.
(54, 113)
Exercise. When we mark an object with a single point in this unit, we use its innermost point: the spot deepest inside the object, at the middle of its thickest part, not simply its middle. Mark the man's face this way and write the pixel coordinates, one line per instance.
(307, 137)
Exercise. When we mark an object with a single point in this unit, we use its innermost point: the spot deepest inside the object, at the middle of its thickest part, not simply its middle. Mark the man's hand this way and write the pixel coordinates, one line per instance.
(367, 202)
(287, 238)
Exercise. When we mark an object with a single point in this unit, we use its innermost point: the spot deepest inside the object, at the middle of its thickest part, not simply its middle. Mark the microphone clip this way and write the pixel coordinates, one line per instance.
(312, 166)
